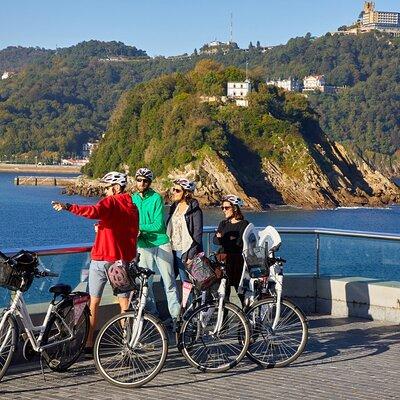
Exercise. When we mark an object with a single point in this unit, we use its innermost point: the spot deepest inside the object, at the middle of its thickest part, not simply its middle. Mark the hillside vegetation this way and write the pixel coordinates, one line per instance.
(165, 124)
(65, 98)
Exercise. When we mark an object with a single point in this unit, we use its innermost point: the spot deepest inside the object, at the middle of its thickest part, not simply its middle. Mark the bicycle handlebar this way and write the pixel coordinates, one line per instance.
(46, 273)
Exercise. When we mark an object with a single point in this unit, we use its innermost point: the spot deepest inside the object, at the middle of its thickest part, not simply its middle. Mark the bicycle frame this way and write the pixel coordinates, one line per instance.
(18, 307)
(138, 323)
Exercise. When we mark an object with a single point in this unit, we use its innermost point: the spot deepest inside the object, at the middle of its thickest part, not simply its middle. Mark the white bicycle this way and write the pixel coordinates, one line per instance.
(279, 328)
(61, 337)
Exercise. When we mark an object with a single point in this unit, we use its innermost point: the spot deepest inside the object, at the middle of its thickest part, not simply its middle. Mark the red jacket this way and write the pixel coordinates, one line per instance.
(117, 229)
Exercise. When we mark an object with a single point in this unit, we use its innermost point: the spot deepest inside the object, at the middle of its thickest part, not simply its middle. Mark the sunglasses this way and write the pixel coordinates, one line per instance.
(224, 208)
(175, 190)
(144, 180)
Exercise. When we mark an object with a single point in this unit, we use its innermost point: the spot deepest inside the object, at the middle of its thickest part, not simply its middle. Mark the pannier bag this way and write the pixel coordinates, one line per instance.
(80, 300)
(121, 276)
(17, 272)
(202, 272)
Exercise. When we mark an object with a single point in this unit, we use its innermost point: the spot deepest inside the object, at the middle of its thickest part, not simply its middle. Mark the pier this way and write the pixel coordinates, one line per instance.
(43, 180)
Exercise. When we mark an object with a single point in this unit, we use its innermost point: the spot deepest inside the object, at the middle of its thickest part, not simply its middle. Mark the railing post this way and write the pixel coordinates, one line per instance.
(317, 265)
(317, 270)
(208, 243)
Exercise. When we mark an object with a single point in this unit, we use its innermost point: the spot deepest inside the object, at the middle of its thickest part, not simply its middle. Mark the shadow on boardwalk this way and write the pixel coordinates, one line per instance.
(337, 348)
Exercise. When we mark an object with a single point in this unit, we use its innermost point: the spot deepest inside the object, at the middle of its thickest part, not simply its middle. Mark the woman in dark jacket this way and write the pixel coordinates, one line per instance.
(229, 237)
(184, 225)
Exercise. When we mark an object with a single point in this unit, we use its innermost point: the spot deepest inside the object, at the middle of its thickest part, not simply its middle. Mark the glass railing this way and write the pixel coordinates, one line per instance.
(315, 251)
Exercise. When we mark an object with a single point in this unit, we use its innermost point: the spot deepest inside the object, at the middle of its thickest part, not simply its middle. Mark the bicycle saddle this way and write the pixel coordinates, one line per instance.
(60, 288)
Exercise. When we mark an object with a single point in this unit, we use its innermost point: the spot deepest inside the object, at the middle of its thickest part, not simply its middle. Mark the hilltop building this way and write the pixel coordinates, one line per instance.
(238, 91)
(370, 20)
(291, 84)
(217, 46)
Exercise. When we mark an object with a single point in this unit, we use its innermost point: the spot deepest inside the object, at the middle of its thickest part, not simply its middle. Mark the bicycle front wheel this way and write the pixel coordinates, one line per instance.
(59, 357)
(277, 347)
(128, 361)
(211, 349)
(8, 343)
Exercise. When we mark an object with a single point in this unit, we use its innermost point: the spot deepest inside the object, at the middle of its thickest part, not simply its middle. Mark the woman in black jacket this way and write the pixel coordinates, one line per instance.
(229, 237)
(184, 225)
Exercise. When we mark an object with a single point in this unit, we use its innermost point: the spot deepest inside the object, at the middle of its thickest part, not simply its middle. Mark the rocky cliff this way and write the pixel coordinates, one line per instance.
(271, 152)
(340, 179)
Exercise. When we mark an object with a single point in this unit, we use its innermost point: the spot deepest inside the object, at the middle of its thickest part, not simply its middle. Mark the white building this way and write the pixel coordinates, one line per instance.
(370, 19)
(88, 148)
(291, 85)
(314, 83)
(215, 46)
(238, 91)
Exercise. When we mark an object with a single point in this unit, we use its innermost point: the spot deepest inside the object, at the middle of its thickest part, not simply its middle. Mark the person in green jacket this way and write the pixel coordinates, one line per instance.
(154, 245)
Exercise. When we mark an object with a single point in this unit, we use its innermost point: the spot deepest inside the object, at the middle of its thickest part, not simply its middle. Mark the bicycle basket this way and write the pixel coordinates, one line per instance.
(201, 271)
(256, 261)
(17, 272)
(122, 277)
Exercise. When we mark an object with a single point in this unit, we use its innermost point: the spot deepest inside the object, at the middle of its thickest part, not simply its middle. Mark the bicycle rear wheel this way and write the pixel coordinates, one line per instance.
(8, 343)
(61, 356)
(277, 347)
(215, 352)
(127, 364)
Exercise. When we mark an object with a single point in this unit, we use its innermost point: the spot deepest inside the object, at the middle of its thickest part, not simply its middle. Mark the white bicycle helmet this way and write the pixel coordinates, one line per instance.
(115, 177)
(234, 200)
(190, 186)
(146, 173)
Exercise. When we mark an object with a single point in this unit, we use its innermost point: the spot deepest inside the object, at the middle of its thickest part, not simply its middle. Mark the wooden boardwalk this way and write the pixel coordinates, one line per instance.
(346, 358)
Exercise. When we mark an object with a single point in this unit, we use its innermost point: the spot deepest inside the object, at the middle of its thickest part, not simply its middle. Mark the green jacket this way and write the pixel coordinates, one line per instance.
(151, 219)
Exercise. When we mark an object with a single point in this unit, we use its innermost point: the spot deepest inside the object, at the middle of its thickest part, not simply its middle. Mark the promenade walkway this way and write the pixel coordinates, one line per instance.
(346, 358)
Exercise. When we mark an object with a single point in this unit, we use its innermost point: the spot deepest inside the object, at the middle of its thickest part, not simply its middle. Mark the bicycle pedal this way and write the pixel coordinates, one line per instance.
(54, 363)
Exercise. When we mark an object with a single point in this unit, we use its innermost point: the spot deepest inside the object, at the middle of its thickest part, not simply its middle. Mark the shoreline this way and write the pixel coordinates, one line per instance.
(65, 169)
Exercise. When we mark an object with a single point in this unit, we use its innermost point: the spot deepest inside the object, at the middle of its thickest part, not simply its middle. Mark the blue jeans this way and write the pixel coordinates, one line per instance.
(161, 257)
(183, 275)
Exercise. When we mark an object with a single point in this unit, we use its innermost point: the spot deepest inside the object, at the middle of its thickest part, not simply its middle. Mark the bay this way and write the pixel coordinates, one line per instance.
(27, 220)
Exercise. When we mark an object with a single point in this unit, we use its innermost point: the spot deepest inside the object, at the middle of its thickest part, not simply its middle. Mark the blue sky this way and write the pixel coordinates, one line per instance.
(168, 27)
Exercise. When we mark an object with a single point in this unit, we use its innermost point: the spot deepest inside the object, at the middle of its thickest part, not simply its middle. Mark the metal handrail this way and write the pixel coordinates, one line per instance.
(208, 230)
(325, 231)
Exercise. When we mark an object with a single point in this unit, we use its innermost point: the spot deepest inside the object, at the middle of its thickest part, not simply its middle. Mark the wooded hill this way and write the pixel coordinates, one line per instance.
(272, 151)
(65, 98)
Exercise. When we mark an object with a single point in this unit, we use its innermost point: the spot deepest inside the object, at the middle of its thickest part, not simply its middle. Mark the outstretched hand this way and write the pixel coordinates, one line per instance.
(58, 206)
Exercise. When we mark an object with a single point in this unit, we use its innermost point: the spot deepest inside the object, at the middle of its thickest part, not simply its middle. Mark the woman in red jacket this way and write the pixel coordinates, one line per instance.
(116, 237)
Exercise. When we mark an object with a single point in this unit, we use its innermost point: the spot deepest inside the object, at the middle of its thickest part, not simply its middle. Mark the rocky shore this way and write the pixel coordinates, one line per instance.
(334, 177)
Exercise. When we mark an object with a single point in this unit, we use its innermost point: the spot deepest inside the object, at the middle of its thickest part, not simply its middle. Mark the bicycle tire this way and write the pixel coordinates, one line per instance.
(8, 333)
(60, 357)
(218, 352)
(280, 347)
(112, 350)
